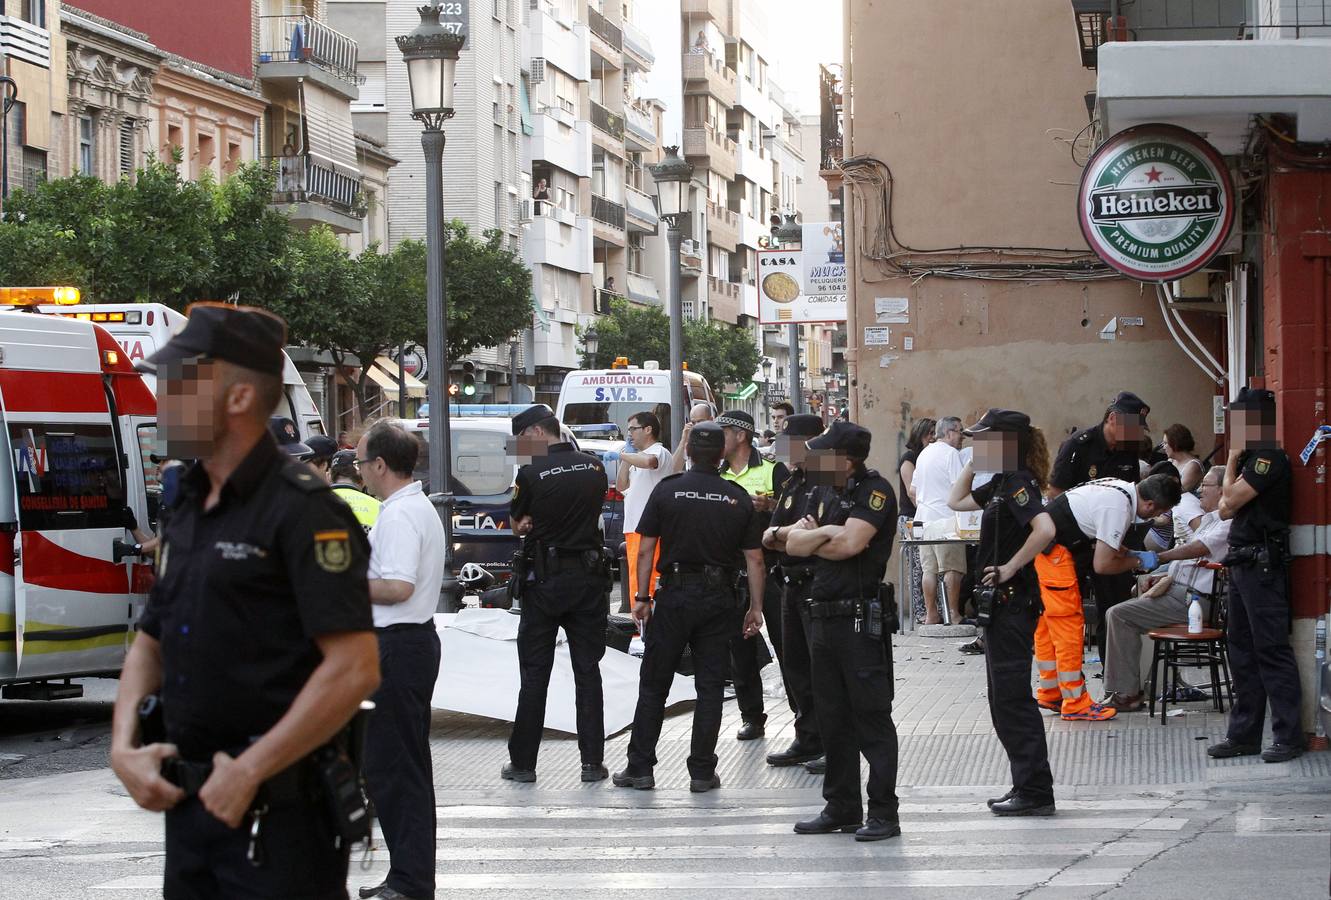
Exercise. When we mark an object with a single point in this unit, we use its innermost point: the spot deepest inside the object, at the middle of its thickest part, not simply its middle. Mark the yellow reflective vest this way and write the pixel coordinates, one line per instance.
(362, 504)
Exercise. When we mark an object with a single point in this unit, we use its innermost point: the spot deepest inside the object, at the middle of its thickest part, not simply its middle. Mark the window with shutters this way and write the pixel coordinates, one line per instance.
(127, 147)
(34, 12)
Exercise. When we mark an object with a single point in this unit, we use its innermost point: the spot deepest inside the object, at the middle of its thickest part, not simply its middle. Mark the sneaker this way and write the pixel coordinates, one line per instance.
(1278, 753)
(1123, 702)
(1095, 713)
(972, 648)
(1227, 749)
(1184, 693)
(1055, 706)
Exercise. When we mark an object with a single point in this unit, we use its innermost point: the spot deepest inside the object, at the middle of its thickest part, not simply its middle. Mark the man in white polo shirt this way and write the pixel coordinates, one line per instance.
(936, 469)
(637, 476)
(406, 571)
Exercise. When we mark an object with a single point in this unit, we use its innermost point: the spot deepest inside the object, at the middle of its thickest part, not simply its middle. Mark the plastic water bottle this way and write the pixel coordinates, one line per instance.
(1194, 613)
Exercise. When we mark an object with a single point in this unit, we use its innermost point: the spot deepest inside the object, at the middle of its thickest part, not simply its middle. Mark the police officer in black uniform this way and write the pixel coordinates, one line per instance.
(704, 524)
(1256, 496)
(851, 620)
(257, 633)
(794, 575)
(1013, 528)
(564, 580)
(1111, 449)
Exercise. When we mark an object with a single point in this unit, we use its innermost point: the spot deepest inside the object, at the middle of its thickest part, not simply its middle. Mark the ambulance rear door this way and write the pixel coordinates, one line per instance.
(65, 473)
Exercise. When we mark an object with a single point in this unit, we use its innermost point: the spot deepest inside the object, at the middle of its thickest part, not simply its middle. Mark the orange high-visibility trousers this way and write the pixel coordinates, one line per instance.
(633, 541)
(1060, 633)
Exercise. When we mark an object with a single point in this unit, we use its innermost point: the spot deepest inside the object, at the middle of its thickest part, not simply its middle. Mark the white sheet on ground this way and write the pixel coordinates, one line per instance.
(478, 674)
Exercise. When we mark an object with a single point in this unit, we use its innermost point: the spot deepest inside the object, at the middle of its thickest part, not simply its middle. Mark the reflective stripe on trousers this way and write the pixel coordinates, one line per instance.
(1060, 633)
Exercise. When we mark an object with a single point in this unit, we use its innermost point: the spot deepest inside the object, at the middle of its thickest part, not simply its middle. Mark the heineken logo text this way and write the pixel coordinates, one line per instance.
(1115, 205)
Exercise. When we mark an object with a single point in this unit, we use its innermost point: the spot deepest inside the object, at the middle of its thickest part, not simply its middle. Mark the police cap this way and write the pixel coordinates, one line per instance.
(530, 416)
(1253, 398)
(804, 425)
(1128, 402)
(322, 446)
(852, 440)
(1000, 420)
(242, 335)
(284, 432)
(707, 436)
(737, 418)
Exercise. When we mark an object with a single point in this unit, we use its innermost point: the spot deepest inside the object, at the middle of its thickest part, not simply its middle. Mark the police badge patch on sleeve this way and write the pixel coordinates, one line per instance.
(790, 501)
(876, 500)
(332, 551)
(1262, 465)
(1022, 497)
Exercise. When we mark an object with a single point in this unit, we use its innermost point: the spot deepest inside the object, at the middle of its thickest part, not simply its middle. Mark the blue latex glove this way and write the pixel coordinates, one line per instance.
(1150, 560)
(611, 455)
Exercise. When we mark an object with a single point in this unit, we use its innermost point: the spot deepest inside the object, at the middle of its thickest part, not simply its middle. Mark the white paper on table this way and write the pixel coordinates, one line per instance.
(478, 674)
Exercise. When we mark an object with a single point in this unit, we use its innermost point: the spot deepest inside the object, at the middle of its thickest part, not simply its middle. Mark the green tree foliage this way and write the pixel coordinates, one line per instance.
(716, 351)
(489, 290)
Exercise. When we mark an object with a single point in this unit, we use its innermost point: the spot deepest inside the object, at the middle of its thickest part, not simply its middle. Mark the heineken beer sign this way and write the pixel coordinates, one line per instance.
(1156, 202)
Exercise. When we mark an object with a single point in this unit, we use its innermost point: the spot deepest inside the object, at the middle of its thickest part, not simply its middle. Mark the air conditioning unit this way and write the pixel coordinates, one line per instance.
(537, 63)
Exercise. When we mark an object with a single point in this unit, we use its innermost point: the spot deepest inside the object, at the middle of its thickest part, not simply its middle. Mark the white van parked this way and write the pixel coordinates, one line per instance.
(142, 329)
(599, 397)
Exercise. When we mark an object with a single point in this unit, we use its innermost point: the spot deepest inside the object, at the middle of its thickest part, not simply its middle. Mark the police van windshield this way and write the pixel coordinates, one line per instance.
(481, 465)
(617, 414)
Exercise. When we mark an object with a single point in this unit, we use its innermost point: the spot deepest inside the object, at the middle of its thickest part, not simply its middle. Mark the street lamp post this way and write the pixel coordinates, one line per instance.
(8, 96)
(591, 342)
(673, 176)
(791, 233)
(767, 382)
(431, 54)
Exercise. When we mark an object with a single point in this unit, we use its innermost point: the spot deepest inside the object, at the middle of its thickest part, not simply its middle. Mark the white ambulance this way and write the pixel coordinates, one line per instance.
(77, 425)
(594, 399)
(143, 328)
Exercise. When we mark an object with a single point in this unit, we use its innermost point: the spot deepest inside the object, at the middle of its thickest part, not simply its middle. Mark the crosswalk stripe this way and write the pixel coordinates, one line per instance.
(992, 823)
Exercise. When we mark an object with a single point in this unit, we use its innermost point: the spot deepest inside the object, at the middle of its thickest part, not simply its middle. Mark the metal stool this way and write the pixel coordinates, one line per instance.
(1175, 648)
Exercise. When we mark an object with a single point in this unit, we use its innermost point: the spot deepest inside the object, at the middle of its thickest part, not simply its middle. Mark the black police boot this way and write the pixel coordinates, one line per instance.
(594, 772)
(1008, 796)
(825, 824)
(1228, 748)
(703, 785)
(751, 731)
(878, 830)
(511, 772)
(792, 756)
(637, 782)
(1278, 753)
(816, 766)
(375, 891)
(1017, 805)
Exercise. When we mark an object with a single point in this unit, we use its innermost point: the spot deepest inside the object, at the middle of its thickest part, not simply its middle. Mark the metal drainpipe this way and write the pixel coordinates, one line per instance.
(848, 220)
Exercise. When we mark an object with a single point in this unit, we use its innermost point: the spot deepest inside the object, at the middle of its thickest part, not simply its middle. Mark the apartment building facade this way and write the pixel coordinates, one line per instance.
(32, 53)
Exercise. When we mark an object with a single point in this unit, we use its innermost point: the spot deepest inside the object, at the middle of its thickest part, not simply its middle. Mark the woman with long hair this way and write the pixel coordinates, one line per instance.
(1013, 528)
(921, 436)
(1179, 447)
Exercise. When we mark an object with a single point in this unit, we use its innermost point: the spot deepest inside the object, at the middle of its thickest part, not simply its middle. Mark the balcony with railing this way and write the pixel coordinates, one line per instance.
(716, 10)
(607, 212)
(722, 227)
(295, 47)
(312, 192)
(639, 129)
(690, 258)
(708, 74)
(706, 147)
(606, 32)
(23, 41)
(723, 300)
(603, 299)
(607, 121)
(1208, 65)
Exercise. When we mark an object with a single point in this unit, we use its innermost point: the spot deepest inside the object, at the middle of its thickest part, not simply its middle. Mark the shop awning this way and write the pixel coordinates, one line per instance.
(330, 134)
(744, 393)
(386, 373)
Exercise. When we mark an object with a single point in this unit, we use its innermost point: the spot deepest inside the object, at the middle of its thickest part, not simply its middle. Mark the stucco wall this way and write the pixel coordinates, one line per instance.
(217, 33)
(973, 117)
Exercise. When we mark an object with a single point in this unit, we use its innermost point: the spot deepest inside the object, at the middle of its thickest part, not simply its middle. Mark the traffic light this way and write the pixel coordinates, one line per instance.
(468, 378)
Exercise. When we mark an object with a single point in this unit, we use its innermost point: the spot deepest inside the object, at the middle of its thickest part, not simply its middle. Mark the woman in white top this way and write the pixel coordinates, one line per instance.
(1178, 446)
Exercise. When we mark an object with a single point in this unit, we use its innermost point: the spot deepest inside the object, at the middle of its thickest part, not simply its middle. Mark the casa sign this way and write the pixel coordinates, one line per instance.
(1156, 202)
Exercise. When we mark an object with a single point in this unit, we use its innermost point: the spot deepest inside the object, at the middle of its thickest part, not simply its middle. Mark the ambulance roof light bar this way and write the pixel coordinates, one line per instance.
(37, 296)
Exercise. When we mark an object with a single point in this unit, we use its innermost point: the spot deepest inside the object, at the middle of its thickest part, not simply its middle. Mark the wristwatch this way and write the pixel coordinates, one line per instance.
(637, 600)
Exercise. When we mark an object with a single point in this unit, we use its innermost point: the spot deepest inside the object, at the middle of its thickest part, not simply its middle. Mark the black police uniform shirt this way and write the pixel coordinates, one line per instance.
(868, 497)
(1009, 505)
(563, 492)
(1267, 514)
(701, 520)
(792, 504)
(243, 590)
(1086, 456)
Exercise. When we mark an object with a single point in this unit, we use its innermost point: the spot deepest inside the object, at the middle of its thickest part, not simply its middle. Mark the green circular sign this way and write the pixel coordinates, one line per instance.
(1156, 202)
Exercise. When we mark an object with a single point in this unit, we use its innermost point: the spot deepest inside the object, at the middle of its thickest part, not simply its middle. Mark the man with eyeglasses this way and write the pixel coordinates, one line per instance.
(1166, 601)
(638, 474)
